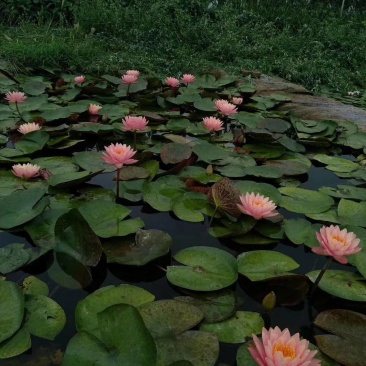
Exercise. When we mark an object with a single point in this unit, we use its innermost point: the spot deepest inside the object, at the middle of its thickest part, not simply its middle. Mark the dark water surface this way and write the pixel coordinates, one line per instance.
(296, 318)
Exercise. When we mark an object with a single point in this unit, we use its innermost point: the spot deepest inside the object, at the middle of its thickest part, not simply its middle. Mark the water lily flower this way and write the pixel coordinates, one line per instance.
(129, 79)
(279, 348)
(28, 127)
(237, 100)
(15, 97)
(94, 108)
(224, 107)
(337, 243)
(133, 72)
(135, 123)
(26, 171)
(257, 206)
(172, 82)
(79, 79)
(188, 79)
(213, 124)
(119, 155)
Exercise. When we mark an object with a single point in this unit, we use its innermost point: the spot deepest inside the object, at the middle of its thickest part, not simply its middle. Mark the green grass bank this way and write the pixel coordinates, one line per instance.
(304, 41)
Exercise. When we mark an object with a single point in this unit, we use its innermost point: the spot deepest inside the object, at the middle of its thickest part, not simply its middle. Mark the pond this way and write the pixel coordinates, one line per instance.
(81, 239)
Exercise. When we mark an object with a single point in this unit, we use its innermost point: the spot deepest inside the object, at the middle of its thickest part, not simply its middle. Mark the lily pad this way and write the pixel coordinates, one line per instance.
(259, 265)
(206, 269)
(352, 213)
(32, 142)
(173, 152)
(12, 257)
(15, 345)
(238, 328)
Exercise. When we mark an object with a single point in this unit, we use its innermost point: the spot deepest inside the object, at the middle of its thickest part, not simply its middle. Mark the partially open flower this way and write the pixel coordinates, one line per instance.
(237, 101)
(94, 108)
(28, 127)
(257, 206)
(15, 97)
(133, 72)
(79, 79)
(119, 155)
(213, 124)
(129, 79)
(172, 82)
(188, 79)
(26, 171)
(224, 107)
(135, 123)
(279, 348)
(337, 243)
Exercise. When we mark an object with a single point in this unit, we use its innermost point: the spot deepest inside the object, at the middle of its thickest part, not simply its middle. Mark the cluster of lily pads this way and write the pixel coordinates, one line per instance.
(195, 173)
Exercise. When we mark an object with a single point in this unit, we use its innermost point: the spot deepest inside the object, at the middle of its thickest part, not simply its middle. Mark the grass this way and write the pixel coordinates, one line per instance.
(306, 42)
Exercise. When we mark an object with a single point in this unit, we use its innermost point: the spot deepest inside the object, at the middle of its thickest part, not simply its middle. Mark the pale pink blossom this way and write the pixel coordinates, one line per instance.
(79, 79)
(237, 100)
(129, 79)
(135, 123)
(26, 171)
(133, 72)
(28, 127)
(337, 243)
(172, 82)
(119, 155)
(213, 124)
(224, 107)
(279, 348)
(188, 79)
(257, 206)
(15, 97)
(94, 108)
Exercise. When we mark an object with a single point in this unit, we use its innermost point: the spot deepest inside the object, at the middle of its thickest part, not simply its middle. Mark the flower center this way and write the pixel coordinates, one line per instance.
(339, 239)
(119, 151)
(259, 203)
(286, 350)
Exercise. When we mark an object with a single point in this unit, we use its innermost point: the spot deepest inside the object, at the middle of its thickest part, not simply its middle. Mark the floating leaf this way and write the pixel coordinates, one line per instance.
(87, 309)
(16, 345)
(32, 142)
(298, 230)
(12, 257)
(206, 269)
(265, 189)
(259, 265)
(173, 153)
(144, 248)
(34, 286)
(352, 213)
(343, 191)
(237, 328)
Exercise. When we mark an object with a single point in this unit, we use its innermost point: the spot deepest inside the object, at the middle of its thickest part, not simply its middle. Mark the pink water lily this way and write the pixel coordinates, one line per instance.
(94, 108)
(133, 72)
(225, 108)
(119, 155)
(237, 100)
(129, 79)
(337, 243)
(188, 79)
(26, 171)
(257, 206)
(279, 348)
(172, 82)
(15, 97)
(79, 79)
(135, 123)
(28, 127)
(213, 124)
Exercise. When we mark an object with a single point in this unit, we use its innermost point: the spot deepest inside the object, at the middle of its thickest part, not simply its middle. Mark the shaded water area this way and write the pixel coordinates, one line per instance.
(297, 318)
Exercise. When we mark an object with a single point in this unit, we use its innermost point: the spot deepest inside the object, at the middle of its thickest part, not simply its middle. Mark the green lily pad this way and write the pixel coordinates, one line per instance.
(70, 179)
(265, 151)
(34, 286)
(217, 305)
(44, 318)
(87, 309)
(342, 191)
(15, 345)
(237, 328)
(56, 164)
(345, 285)
(209, 152)
(146, 246)
(190, 205)
(263, 172)
(206, 269)
(178, 124)
(12, 257)
(198, 348)
(21, 207)
(297, 230)
(304, 201)
(336, 164)
(205, 104)
(265, 189)
(259, 265)
(11, 309)
(92, 161)
(173, 152)
(32, 142)
(35, 87)
(352, 213)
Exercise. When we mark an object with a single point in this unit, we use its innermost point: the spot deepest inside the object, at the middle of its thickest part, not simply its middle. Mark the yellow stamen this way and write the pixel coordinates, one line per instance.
(287, 351)
(339, 239)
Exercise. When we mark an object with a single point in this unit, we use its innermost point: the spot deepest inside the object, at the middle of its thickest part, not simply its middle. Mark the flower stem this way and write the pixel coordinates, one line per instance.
(212, 217)
(117, 190)
(134, 139)
(128, 90)
(320, 275)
